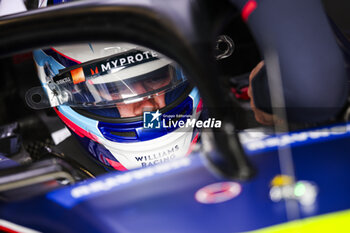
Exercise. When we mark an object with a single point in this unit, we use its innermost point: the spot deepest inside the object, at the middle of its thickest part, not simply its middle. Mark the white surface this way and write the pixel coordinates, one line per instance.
(60, 135)
(8, 7)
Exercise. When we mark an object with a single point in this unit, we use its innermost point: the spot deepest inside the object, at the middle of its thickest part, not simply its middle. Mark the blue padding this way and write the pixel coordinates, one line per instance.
(106, 112)
(173, 95)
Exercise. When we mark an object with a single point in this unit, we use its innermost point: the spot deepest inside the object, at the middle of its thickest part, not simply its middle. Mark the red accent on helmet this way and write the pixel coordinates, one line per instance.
(199, 106)
(116, 165)
(63, 55)
(75, 128)
(194, 141)
(7, 230)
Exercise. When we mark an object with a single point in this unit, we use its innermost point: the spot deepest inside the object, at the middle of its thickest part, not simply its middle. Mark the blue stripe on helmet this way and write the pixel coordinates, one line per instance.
(194, 94)
(66, 62)
(85, 123)
(42, 58)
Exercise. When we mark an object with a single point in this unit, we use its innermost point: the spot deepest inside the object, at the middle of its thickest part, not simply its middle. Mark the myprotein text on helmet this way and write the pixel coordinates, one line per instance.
(99, 67)
(136, 57)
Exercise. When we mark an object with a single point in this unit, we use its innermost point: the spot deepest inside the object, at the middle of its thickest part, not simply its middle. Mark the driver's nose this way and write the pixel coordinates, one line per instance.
(146, 105)
(152, 104)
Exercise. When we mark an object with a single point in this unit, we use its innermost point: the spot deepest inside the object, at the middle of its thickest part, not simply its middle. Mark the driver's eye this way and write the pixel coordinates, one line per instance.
(157, 82)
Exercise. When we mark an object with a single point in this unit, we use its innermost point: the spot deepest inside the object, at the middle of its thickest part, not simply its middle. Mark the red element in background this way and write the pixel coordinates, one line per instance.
(76, 129)
(242, 94)
(218, 192)
(248, 8)
(17, 59)
(194, 141)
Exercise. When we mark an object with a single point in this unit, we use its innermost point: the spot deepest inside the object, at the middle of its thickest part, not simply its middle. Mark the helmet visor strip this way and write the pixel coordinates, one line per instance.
(125, 78)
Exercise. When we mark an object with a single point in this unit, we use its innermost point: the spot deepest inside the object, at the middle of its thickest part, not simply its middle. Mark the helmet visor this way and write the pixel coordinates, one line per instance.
(125, 78)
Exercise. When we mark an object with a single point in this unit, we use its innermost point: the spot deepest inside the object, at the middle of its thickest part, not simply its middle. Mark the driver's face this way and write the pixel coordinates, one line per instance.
(139, 88)
(154, 103)
(136, 109)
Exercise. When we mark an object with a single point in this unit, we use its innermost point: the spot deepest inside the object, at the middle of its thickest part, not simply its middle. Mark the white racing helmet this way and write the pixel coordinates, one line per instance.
(113, 97)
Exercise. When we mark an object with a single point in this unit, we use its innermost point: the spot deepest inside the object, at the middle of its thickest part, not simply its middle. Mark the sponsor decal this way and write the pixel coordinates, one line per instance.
(133, 57)
(218, 192)
(119, 179)
(70, 196)
(159, 157)
(63, 80)
(78, 75)
(284, 187)
(298, 138)
(93, 72)
(96, 68)
(281, 180)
